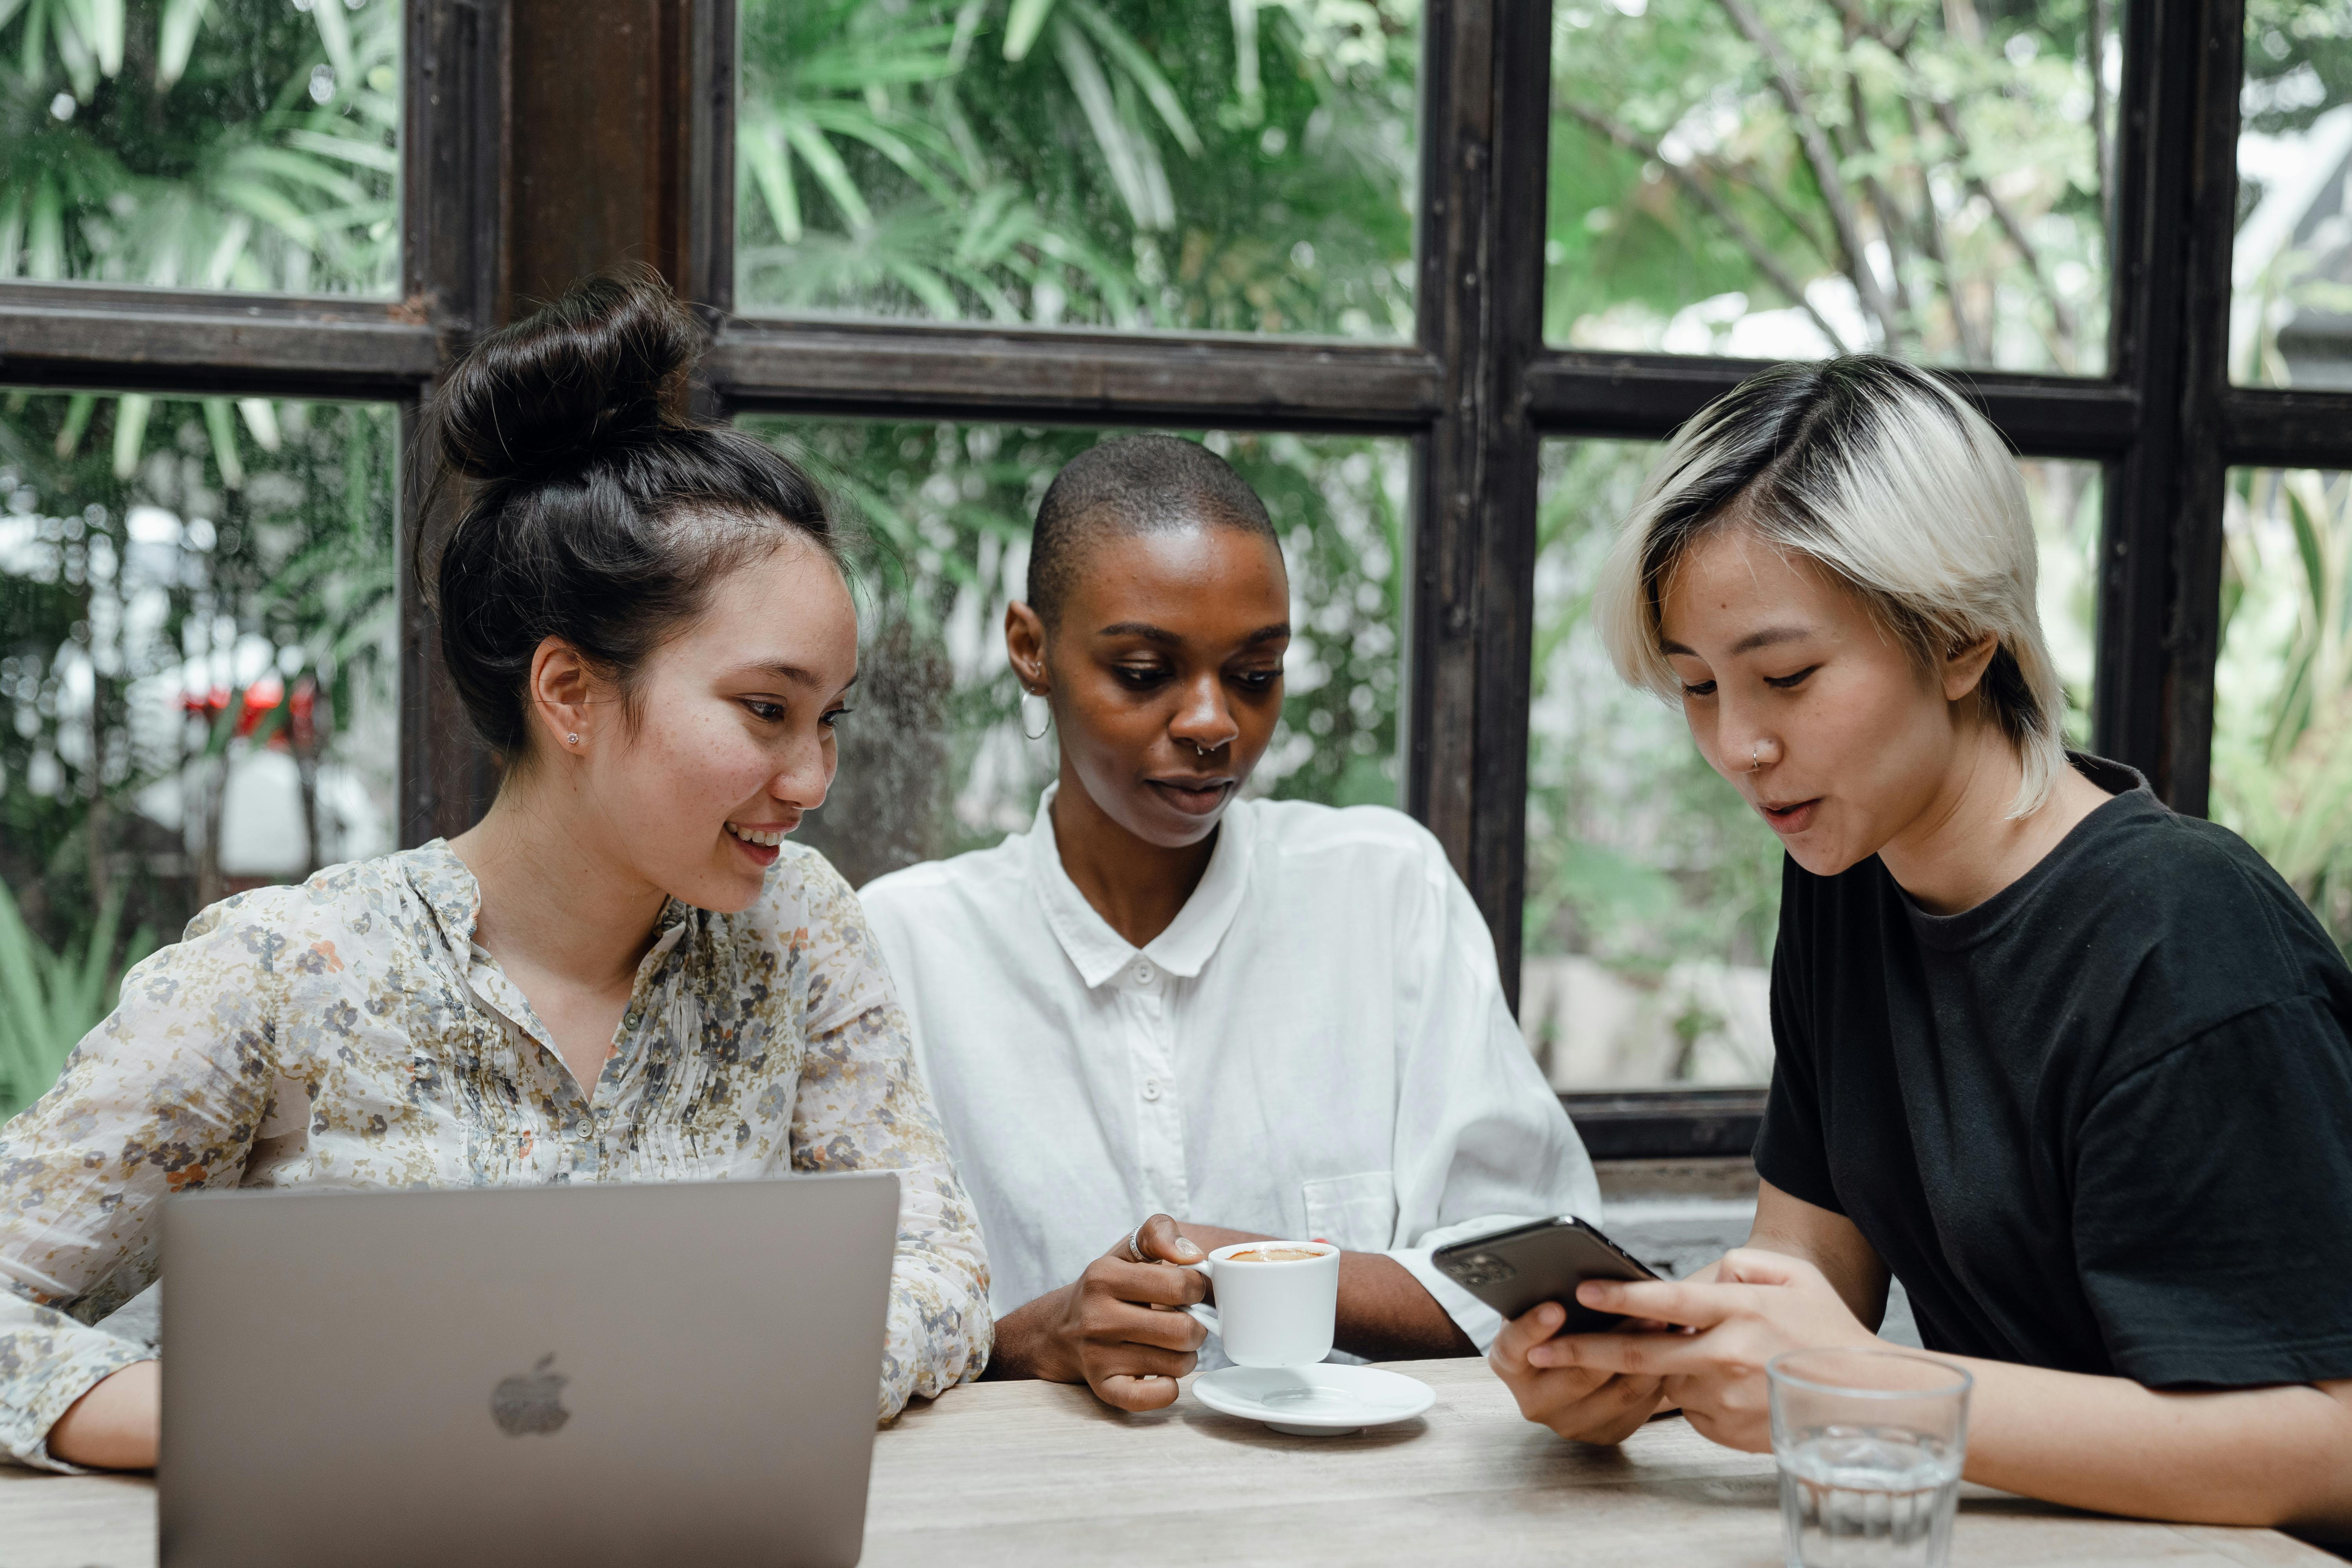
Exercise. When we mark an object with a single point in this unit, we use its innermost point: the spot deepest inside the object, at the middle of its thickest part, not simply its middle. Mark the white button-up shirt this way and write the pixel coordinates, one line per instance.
(1318, 1046)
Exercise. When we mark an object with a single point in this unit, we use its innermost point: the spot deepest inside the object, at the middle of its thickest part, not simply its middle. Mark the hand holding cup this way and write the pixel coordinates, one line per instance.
(1121, 1327)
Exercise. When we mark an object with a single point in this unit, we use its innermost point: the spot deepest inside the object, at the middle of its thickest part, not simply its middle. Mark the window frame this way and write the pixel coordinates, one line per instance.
(490, 218)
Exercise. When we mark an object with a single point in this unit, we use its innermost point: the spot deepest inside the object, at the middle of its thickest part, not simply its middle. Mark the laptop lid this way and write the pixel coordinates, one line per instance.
(566, 1375)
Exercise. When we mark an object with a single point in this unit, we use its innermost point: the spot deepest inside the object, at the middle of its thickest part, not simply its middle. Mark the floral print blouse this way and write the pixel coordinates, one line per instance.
(350, 1033)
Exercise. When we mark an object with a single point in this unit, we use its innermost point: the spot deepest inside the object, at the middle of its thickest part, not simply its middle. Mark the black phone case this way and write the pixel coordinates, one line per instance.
(1513, 1270)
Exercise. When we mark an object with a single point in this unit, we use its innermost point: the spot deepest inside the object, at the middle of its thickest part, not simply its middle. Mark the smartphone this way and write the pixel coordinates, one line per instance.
(1513, 1270)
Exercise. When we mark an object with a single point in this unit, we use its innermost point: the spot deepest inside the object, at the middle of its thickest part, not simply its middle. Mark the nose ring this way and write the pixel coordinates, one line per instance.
(1755, 756)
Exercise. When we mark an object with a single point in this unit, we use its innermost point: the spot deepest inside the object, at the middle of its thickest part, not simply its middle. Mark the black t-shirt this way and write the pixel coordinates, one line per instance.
(2101, 1123)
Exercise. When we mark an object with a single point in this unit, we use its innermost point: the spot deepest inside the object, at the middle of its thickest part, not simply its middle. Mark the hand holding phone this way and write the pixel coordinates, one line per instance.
(1516, 1269)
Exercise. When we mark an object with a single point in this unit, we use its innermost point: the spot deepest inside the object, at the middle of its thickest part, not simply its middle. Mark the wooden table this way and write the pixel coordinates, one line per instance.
(1041, 1475)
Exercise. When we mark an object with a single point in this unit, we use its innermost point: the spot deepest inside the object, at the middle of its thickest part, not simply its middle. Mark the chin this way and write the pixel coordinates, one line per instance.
(1173, 830)
(1826, 858)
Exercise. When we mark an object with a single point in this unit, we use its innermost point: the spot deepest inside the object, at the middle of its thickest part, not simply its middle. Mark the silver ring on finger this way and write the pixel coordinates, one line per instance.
(1135, 1243)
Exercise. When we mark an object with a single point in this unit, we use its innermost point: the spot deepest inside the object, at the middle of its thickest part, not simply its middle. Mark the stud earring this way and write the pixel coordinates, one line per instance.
(572, 738)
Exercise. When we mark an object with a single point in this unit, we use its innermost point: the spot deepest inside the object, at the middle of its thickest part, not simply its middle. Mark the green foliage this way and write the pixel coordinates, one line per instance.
(200, 143)
(151, 545)
(2282, 714)
(1637, 854)
(48, 1001)
(1122, 162)
(1937, 169)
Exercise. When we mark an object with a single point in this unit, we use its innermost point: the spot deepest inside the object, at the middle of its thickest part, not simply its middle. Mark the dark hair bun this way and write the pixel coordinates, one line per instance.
(605, 364)
(597, 511)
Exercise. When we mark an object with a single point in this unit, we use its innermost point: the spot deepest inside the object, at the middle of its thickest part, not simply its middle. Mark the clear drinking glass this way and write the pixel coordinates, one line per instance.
(1870, 1443)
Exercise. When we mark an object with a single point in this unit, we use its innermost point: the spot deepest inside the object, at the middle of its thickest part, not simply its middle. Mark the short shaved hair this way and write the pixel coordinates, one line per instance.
(1127, 486)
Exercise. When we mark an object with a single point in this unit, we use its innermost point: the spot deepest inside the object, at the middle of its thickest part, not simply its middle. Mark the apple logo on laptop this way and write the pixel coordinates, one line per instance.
(531, 1401)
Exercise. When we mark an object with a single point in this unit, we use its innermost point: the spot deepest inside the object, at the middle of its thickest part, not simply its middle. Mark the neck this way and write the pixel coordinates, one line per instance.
(550, 898)
(1139, 888)
(1965, 848)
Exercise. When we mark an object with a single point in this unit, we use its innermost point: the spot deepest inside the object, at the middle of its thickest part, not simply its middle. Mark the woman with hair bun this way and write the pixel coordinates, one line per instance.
(2071, 1065)
(622, 972)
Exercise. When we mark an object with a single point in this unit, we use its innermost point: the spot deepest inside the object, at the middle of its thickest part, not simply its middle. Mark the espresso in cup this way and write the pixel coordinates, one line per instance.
(1277, 1301)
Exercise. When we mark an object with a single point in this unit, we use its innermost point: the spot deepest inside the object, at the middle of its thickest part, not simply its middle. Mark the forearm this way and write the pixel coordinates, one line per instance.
(1384, 1313)
(115, 1425)
(2274, 1456)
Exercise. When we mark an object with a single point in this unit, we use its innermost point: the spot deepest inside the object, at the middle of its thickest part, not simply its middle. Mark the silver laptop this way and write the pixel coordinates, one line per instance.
(522, 1375)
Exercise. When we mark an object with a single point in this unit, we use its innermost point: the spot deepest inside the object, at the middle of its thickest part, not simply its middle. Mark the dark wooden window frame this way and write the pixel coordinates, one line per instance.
(546, 138)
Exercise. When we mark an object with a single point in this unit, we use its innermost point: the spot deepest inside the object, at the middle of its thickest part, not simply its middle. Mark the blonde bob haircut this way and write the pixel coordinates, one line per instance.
(1888, 480)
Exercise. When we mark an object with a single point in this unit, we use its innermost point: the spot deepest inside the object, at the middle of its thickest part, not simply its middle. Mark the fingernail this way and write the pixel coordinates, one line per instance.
(1593, 1292)
(1184, 1248)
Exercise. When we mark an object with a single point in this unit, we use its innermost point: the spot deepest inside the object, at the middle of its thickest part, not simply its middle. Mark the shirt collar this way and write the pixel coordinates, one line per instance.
(448, 887)
(1190, 938)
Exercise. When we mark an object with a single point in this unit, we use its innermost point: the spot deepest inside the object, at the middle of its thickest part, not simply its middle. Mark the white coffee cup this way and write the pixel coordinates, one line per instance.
(1273, 1313)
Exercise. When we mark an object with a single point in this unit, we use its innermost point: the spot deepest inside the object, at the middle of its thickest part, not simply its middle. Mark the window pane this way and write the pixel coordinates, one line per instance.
(1785, 178)
(199, 664)
(1186, 165)
(2291, 306)
(1652, 890)
(2282, 688)
(934, 759)
(239, 144)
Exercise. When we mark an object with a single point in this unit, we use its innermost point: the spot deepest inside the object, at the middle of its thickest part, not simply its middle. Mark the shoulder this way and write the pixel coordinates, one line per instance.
(2202, 896)
(1354, 840)
(261, 941)
(354, 902)
(976, 882)
(803, 893)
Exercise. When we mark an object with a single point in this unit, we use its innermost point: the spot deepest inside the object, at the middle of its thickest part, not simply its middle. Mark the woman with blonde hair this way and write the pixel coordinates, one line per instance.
(2071, 1065)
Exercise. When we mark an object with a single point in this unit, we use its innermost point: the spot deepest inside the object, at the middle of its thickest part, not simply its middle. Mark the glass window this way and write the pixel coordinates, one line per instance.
(1769, 179)
(2291, 300)
(198, 671)
(1652, 891)
(240, 144)
(934, 759)
(1240, 165)
(2283, 688)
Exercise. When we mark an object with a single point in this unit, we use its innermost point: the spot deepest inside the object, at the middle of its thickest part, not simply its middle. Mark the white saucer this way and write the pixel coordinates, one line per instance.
(1326, 1400)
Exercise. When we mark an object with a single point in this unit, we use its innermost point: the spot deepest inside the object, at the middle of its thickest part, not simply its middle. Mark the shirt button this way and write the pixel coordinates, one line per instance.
(1143, 974)
(1152, 1089)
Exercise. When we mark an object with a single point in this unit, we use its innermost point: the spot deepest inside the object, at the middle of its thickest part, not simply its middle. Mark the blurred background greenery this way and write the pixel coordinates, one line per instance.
(196, 596)
(196, 611)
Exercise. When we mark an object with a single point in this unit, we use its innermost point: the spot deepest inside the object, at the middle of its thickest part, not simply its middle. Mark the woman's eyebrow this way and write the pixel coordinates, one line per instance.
(1771, 637)
(1162, 636)
(1143, 629)
(792, 674)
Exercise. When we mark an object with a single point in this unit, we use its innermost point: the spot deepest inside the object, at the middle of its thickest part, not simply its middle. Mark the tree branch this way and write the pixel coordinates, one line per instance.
(1817, 153)
(1758, 252)
(1892, 220)
(1972, 343)
(1949, 117)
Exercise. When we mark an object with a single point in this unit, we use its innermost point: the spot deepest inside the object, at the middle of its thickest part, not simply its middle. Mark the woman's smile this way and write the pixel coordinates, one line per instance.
(761, 841)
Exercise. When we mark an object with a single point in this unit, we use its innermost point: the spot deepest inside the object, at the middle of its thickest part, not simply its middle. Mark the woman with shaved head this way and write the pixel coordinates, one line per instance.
(1224, 1018)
